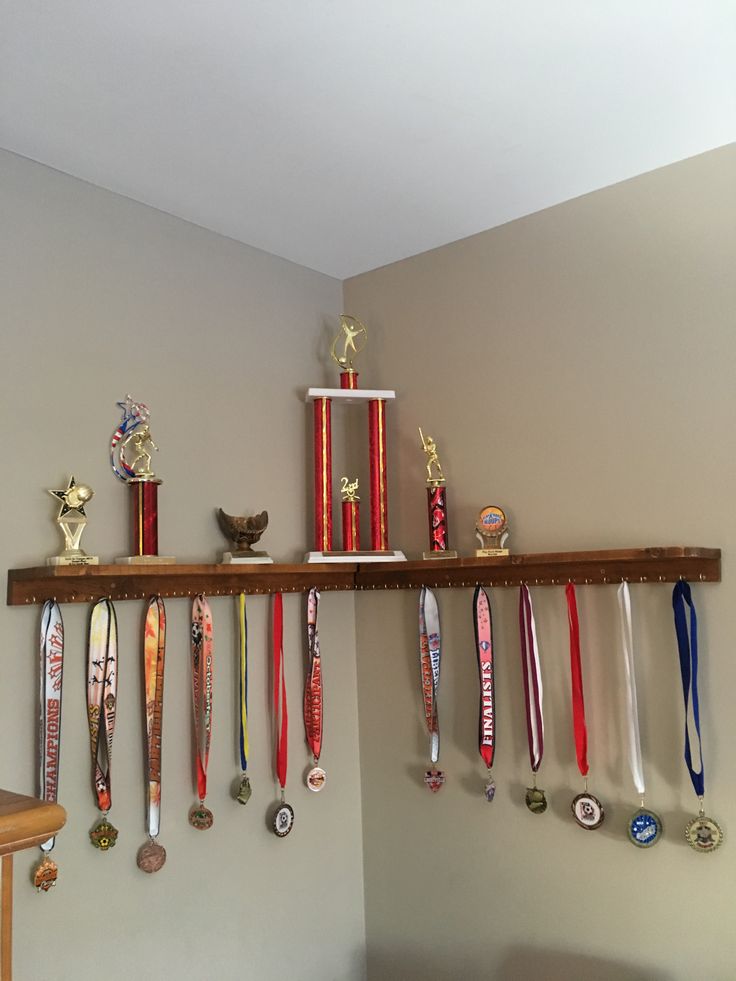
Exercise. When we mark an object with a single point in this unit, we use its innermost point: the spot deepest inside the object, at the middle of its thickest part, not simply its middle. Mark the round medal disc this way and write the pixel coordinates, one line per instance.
(283, 820)
(201, 817)
(645, 828)
(316, 779)
(151, 856)
(588, 811)
(703, 834)
(535, 800)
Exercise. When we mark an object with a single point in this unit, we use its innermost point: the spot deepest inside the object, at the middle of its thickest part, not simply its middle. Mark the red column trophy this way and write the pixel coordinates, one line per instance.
(439, 541)
(130, 459)
(352, 337)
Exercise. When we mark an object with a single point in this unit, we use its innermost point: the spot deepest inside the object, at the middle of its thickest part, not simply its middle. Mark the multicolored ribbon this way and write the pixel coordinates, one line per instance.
(578, 701)
(532, 676)
(203, 663)
(280, 707)
(244, 790)
(154, 652)
(430, 656)
(102, 686)
(486, 674)
(51, 673)
(313, 693)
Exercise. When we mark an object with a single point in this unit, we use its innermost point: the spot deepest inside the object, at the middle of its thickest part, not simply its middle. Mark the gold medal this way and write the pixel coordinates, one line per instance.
(104, 835)
(244, 791)
(703, 834)
(535, 800)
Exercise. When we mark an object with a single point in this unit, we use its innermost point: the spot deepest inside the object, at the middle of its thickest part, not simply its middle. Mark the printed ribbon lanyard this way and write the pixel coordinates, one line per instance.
(51, 670)
(283, 818)
(430, 656)
(486, 674)
(313, 694)
(587, 809)
(102, 687)
(244, 789)
(203, 663)
(152, 855)
(533, 697)
(644, 827)
(702, 833)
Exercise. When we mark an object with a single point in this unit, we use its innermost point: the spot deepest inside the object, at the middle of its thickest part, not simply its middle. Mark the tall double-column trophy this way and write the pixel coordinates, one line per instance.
(346, 346)
(131, 449)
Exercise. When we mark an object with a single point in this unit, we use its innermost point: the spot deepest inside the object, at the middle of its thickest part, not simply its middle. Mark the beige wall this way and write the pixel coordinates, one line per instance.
(101, 296)
(576, 367)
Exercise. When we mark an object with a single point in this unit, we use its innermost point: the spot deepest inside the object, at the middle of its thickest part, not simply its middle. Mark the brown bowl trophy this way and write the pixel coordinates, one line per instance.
(243, 533)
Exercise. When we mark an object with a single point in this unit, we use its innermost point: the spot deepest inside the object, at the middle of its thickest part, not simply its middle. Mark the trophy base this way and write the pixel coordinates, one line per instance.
(389, 555)
(249, 558)
(490, 553)
(146, 560)
(448, 553)
(80, 559)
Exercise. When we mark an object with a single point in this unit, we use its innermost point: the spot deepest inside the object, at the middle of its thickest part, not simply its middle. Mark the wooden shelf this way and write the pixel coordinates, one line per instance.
(27, 821)
(84, 584)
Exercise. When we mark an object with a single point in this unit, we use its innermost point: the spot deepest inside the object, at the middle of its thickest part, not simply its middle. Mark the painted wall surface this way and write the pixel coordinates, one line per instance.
(577, 368)
(101, 296)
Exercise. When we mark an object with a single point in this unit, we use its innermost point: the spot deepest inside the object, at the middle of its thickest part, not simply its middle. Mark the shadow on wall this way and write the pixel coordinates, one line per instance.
(515, 964)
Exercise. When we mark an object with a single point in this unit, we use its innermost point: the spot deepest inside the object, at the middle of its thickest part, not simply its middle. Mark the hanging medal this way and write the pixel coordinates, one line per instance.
(486, 676)
(430, 655)
(49, 737)
(533, 696)
(152, 855)
(313, 694)
(283, 818)
(586, 808)
(102, 686)
(203, 656)
(702, 833)
(244, 789)
(644, 827)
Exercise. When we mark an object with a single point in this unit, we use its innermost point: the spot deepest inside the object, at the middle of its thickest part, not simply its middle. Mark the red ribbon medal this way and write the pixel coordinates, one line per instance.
(313, 694)
(283, 818)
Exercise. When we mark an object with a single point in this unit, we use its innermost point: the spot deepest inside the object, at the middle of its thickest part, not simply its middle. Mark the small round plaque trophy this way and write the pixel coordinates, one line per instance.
(492, 531)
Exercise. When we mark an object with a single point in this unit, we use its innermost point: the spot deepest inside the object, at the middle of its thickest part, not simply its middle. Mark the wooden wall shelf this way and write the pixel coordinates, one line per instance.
(85, 584)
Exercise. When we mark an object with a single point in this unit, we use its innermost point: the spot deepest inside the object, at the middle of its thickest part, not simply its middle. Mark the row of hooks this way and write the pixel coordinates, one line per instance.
(517, 581)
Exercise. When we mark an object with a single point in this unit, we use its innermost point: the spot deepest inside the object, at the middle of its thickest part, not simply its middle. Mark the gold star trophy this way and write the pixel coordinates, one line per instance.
(72, 520)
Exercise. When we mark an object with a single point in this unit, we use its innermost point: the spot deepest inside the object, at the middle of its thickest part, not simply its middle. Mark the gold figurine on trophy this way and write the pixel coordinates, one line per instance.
(439, 540)
(430, 448)
(351, 330)
(72, 520)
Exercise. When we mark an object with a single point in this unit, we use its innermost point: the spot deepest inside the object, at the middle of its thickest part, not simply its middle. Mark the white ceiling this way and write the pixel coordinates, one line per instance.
(346, 134)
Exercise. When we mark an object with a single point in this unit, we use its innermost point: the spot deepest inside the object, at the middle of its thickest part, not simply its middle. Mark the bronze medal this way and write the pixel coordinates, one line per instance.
(151, 856)
(703, 834)
(201, 817)
(588, 811)
(283, 820)
(535, 800)
(45, 875)
(316, 779)
(104, 835)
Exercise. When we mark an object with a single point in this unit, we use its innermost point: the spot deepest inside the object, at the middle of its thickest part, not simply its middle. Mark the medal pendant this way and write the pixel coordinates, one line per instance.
(489, 791)
(316, 779)
(535, 800)
(283, 820)
(45, 875)
(244, 791)
(201, 817)
(645, 828)
(703, 834)
(588, 811)
(151, 856)
(434, 779)
(104, 835)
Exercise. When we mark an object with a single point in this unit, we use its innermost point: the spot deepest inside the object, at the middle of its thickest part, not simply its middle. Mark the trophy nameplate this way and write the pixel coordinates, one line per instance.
(492, 530)
(72, 520)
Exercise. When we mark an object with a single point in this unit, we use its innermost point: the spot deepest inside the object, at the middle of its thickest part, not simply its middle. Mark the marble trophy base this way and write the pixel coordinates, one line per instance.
(490, 553)
(246, 558)
(145, 560)
(72, 559)
(389, 555)
(447, 553)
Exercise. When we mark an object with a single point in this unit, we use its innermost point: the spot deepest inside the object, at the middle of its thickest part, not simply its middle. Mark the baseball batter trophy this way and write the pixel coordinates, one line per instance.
(439, 542)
